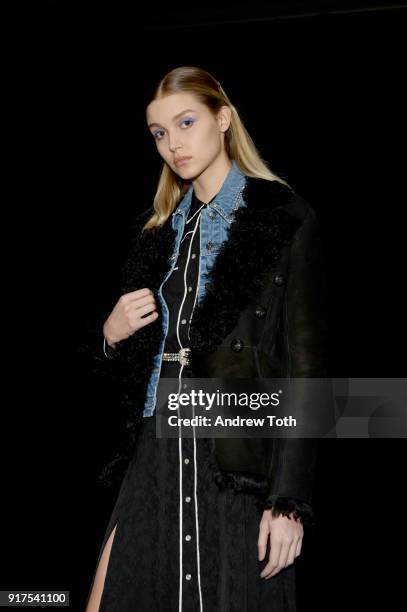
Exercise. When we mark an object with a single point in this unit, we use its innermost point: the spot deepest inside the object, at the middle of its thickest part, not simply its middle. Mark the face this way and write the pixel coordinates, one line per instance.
(183, 127)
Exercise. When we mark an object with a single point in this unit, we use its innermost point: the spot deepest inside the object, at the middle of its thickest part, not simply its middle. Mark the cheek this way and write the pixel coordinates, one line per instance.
(212, 135)
(162, 150)
(206, 137)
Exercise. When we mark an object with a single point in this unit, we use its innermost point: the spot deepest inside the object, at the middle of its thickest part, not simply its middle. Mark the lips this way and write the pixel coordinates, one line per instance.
(182, 160)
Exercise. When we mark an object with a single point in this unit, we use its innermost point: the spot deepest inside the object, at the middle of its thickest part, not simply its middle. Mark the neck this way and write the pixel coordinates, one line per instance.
(209, 183)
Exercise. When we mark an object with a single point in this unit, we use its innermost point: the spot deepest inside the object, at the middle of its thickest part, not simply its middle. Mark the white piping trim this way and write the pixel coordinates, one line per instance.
(181, 571)
(198, 559)
(185, 235)
(195, 213)
(181, 575)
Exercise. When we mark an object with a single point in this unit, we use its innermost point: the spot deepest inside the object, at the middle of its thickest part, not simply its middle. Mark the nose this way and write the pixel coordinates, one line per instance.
(173, 143)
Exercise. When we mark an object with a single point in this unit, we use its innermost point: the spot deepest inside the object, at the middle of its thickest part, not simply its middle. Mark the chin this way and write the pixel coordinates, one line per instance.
(187, 173)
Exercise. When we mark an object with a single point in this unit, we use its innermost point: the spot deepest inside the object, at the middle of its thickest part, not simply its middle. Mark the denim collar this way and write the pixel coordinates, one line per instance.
(226, 201)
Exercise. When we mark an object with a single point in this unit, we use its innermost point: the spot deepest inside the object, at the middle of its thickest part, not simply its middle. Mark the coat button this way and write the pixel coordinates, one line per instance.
(212, 214)
(279, 279)
(209, 246)
(260, 312)
(208, 286)
(237, 345)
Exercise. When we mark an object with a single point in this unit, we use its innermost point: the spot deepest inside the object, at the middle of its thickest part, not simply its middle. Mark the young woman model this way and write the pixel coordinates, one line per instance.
(224, 280)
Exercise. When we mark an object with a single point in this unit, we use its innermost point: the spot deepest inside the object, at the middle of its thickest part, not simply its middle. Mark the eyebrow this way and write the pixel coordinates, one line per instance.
(188, 110)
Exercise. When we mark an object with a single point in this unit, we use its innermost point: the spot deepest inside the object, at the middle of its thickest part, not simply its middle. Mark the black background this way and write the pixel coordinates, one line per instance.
(322, 95)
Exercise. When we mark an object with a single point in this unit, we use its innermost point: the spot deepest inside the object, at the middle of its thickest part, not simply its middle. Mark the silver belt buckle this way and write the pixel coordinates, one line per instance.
(184, 356)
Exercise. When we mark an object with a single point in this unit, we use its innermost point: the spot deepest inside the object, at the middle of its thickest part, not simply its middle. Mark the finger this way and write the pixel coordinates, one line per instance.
(299, 546)
(142, 292)
(138, 303)
(274, 556)
(131, 299)
(262, 541)
(285, 551)
(146, 320)
(144, 310)
(275, 552)
(280, 563)
(139, 293)
(292, 552)
(273, 573)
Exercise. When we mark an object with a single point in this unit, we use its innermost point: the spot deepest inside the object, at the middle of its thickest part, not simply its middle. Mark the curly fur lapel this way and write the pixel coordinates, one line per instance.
(259, 231)
(255, 238)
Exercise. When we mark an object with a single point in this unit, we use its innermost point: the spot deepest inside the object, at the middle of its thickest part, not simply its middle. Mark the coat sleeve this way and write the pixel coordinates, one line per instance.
(305, 340)
(94, 352)
(102, 359)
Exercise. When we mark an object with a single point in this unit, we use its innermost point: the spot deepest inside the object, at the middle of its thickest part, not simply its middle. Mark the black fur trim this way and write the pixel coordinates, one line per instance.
(287, 505)
(238, 481)
(258, 486)
(255, 238)
(147, 265)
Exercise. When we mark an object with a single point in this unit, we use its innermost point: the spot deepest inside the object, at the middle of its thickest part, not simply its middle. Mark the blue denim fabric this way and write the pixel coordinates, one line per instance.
(215, 220)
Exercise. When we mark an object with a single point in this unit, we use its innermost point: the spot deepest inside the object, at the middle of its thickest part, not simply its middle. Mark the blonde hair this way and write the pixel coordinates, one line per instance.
(239, 145)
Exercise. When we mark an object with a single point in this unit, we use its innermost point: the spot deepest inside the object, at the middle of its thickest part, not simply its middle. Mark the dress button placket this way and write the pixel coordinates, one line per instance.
(188, 525)
(189, 566)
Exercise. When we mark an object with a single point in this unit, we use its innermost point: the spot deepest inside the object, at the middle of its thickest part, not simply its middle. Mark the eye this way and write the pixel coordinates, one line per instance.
(183, 121)
(157, 133)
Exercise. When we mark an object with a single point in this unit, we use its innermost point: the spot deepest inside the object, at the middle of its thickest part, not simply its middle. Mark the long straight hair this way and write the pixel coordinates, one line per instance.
(238, 143)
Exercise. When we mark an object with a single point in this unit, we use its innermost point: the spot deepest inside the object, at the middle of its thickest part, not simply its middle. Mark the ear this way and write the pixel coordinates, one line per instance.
(224, 116)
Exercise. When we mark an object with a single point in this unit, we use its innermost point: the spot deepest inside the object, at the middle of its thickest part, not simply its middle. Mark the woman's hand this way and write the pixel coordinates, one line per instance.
(285, 535)
(132, 311)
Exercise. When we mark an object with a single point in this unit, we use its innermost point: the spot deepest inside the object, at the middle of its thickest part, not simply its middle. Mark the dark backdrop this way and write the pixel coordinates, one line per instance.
(322, 95)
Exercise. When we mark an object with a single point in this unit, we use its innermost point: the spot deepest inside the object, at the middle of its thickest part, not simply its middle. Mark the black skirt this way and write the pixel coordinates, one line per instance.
(191, 543)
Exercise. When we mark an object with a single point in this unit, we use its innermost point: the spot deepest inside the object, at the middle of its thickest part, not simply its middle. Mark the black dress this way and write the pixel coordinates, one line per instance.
(181, 543)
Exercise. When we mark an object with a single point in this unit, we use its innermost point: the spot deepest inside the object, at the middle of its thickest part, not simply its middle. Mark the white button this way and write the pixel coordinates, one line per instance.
(187, 537)
(183, 321)
(186, 460)
(193, 255)
(190, 289)
(188, 576)
(187, 499)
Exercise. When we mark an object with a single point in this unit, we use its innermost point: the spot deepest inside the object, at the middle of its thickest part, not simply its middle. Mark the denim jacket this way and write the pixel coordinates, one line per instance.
(215, 220)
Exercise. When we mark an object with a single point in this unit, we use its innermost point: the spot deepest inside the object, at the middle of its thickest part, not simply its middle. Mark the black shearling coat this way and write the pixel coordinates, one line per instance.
(263, 315)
